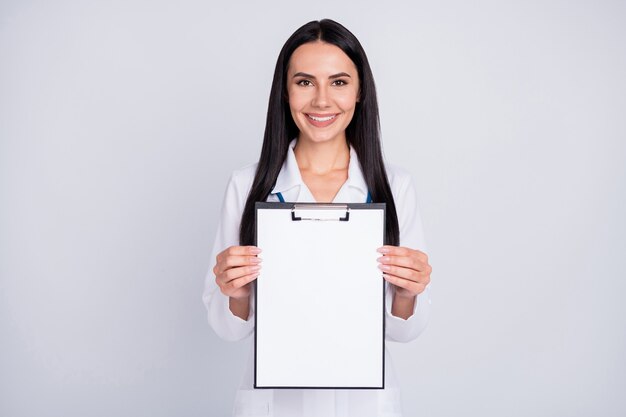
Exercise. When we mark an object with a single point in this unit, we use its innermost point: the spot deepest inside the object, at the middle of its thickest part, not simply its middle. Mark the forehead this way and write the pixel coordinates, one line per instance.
(320, 58)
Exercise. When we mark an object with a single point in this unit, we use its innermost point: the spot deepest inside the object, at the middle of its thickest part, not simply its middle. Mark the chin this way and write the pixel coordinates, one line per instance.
(321, 138)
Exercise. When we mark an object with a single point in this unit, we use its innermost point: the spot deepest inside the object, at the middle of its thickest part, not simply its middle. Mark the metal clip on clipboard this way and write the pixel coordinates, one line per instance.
(323, 212)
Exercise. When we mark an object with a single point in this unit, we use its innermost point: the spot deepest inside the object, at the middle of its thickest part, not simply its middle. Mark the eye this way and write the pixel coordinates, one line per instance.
(340, 82)
(304, 83)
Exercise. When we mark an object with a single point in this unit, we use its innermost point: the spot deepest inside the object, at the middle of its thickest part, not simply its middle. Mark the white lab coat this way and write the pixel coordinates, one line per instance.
(315, 403)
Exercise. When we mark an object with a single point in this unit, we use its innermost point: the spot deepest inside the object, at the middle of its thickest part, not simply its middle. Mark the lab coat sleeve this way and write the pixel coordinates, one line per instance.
(411, 236)
(222, 320)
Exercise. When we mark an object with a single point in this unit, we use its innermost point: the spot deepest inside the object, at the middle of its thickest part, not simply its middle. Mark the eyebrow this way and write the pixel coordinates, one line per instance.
(332, 77)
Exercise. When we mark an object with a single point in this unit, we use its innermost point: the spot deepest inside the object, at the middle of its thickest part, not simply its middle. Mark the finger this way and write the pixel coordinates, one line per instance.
(421, 277)
(235, 273)
(235, 284)
(238, 251)
(234, 288)
(238, 260)
(403, 251)
(401, 272)
(411, 286)
(404, 261)
(235, 262)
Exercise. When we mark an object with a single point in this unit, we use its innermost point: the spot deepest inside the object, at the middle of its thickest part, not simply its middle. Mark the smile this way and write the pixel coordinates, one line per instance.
(320, 120)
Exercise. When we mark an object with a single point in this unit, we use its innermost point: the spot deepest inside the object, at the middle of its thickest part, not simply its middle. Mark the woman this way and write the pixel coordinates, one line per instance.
(321, 144)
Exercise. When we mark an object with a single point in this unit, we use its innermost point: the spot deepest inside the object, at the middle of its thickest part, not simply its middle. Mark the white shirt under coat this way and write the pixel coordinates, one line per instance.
(252, 402)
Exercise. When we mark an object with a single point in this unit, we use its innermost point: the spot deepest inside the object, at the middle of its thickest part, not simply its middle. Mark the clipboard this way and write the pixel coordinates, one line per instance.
(320, 297)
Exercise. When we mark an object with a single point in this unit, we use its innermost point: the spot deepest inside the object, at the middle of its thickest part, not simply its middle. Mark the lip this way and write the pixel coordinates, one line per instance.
(321, 120)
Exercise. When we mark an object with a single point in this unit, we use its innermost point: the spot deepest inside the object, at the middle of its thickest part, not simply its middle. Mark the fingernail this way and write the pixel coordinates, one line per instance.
(255, 268)
(384, 267)
(382, 250)
(255, 260)
(382, 258)
(255, 251)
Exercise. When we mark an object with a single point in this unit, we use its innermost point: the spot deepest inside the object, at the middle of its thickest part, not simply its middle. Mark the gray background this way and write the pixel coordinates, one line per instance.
(120, 122)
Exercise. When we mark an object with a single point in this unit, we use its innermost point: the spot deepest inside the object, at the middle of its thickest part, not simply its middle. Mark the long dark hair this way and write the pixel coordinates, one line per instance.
(363, 132)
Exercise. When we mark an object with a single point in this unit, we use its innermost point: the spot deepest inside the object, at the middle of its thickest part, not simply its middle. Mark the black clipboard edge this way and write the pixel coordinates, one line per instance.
(289, 206)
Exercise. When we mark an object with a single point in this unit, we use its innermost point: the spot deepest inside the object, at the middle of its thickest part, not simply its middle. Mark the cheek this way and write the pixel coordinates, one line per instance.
(347, 102)
(297, 100)
(295, 107)
(347, 98)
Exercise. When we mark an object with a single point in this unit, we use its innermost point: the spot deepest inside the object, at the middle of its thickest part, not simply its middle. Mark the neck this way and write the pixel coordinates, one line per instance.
(322, 157)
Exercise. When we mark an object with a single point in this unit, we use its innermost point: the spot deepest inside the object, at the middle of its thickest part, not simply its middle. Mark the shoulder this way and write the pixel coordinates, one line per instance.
(239, 185)
(242, 178)
(407, 207)
(245, 173)
(402, 187)
(399, 178)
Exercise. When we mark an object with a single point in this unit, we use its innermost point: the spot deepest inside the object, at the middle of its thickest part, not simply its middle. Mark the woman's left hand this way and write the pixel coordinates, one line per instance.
(407, 269)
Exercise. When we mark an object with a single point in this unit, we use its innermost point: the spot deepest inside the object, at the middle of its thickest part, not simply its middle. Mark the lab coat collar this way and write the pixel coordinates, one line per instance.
(290, 177)
(355, 175)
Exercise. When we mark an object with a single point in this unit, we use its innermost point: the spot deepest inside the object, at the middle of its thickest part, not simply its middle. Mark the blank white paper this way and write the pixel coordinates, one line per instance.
(319, 317)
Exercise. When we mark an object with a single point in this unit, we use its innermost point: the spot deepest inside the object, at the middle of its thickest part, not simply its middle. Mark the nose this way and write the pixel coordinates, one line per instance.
(320, 99)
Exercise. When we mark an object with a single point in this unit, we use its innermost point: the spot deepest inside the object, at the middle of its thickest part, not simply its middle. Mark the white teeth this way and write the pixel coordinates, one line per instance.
(321, 119)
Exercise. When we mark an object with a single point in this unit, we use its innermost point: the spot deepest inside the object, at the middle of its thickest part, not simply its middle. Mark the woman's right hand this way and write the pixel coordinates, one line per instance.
(235, 268)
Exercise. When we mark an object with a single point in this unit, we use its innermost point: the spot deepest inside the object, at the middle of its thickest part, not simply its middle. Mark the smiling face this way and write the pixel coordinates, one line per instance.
(323, 89)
